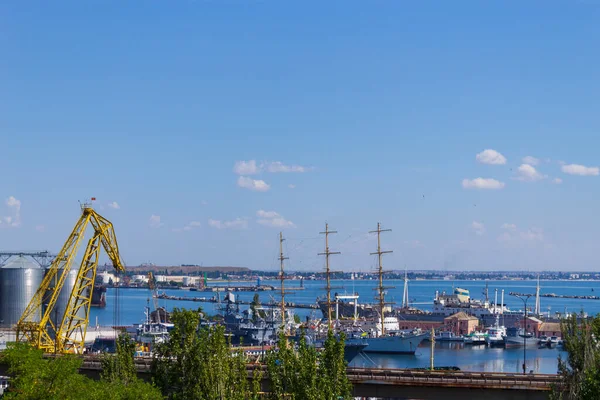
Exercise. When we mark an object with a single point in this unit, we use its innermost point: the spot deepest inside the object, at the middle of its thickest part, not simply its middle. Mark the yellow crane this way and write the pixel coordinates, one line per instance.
(68, 335)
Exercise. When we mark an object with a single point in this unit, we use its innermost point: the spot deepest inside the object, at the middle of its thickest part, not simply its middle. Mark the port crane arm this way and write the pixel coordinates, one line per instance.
(36, 325)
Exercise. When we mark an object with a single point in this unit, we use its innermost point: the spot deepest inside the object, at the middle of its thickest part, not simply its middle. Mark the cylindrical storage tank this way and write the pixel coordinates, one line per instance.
(187, 281)
(106, 277)
(63, 297)
(19, 280)
(161, 278)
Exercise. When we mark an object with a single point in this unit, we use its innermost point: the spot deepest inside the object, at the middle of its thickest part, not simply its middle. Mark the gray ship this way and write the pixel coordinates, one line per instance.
(518, 338)
(394, 341)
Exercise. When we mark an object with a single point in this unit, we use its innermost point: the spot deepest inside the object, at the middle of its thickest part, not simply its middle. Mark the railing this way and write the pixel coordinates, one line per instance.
(403, 377)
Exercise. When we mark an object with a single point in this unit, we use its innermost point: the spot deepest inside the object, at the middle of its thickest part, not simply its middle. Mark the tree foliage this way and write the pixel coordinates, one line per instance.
(120, 367)
(34, 377)
(305, 373)
(197, 363)
(580, 372)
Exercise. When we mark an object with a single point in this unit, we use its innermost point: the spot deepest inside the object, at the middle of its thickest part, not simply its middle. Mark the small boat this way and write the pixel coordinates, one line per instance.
(476, 338)
(449, 337)
(517, 338)
(554, 341)
(543, 340)
(495, 334)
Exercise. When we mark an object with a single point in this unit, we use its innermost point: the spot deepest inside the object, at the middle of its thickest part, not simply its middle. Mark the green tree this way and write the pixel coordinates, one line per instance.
(580, 372)
(305, 373)
(34, 377)
(198, 363)
(120, 367)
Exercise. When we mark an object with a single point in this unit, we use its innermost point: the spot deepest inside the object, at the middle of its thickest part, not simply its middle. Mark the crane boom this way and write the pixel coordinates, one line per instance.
(68, 335)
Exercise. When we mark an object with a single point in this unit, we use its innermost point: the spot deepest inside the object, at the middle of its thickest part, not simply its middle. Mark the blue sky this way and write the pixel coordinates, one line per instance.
(371, 111)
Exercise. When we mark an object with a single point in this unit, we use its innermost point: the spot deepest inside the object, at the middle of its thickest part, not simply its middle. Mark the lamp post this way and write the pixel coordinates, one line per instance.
(524, 298)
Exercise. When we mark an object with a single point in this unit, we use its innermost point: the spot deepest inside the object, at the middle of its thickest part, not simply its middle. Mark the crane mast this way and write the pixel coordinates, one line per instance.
(68, 335)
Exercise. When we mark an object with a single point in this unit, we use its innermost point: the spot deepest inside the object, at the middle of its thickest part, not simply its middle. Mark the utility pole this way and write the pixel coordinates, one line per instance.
(381, 288)
(328, 287)
(432, 338)
(282, 278)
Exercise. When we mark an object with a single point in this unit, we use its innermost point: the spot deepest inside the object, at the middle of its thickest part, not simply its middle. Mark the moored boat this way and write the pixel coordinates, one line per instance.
(476, 338)
(519, 338)
(449, 337)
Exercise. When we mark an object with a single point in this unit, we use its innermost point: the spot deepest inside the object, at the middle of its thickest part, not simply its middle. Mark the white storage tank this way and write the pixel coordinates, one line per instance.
(63, 297)
(106, 277)
(188, 281)
(19, 280)
(162, 278)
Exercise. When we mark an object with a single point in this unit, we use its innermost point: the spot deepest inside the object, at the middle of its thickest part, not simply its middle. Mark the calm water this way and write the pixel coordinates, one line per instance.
(473, 358)
(421, 293)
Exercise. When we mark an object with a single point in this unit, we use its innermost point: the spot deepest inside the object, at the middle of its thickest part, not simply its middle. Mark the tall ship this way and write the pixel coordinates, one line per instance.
(385, 335)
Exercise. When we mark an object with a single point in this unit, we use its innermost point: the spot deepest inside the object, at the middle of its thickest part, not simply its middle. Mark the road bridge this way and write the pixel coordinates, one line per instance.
(413, 384)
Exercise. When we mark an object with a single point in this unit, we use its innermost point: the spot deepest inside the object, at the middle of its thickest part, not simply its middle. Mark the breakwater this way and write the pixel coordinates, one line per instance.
(559, 296)
(164, 296)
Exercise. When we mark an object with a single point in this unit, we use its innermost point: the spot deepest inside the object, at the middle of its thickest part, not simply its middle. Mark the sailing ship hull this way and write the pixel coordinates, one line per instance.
(392, 344)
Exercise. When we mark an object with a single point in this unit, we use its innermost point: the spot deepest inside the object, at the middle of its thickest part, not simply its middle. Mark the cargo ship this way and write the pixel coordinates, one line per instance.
(99, 296)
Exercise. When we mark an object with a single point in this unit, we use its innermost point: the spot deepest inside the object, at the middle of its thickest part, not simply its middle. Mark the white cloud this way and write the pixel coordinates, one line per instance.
(531, 160)
(491, 157)
(528, 173)
(509, 227)
(267, 214)
(530, 235)
(14, 205)
(482, 183)
(251, 167)
(278, 166)
(191, 225)
(533, 234)
(40, 228)
(278, 222)
(238, 223)
(114, 205)
(557, 181)
(292, 186)
(576, 169)
(478, 228)
(246, 167)
(273, 219)
(155, 221)
(256, 185)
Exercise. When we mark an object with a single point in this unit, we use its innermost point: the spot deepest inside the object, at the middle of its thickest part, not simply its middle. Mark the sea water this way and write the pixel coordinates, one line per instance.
(132, 303)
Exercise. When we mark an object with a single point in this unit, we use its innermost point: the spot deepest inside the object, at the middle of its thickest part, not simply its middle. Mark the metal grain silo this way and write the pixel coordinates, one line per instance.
(19, 280)
(63, 297)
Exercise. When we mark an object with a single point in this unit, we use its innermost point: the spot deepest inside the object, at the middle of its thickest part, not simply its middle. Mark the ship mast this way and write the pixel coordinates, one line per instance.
(328, 271)
(282, 279)
(405, 293)
(381, 288)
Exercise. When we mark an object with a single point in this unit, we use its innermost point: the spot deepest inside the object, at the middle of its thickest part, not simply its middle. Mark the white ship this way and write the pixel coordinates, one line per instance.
(394, 341)
(476, 338)
(495, 334)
